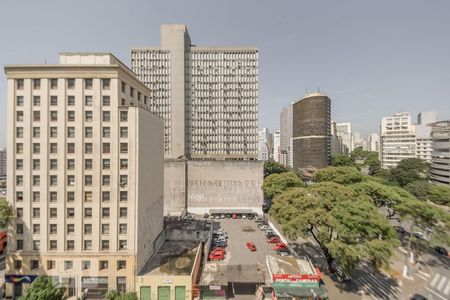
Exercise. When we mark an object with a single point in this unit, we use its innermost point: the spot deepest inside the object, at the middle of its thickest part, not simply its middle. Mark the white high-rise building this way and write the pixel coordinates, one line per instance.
(263, 148)
(208, 96)
(397, 139)
(2, 163)
(440, 164)
(286, 134)
(373, 142)
(424, 147)
(85, 176)
(277, 146)
(344, 130)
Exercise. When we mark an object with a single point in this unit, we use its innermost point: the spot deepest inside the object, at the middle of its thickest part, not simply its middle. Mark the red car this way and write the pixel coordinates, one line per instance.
(279, 246)
(251, 246)
(217, 254)
(274, 240)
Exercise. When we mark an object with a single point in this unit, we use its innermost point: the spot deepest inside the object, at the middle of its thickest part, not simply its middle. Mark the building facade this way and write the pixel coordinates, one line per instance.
(263, 144)
(440, 163)
(86, 175)
(424, 147)
(312, 131)
(2, 163)
(374, 142)
(286, 117)
(208, 96)
(277, 146)
(397, 139)
(344, 131)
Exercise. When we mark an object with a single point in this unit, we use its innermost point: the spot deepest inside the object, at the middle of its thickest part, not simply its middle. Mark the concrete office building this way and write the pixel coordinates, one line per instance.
(397, 139)
(336, 141)
(373, 142)
(277, 146)
(440, 163)
(312, 131)
(344, 130)
(286, 135)
(424, 147)
(2, 163)
(263, 144)
(86, 174)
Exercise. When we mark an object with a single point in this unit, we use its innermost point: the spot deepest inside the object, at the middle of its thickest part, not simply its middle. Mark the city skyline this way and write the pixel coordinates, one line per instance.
(366, 69)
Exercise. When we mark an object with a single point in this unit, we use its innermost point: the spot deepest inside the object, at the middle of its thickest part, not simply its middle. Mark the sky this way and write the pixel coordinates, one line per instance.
(372, 58)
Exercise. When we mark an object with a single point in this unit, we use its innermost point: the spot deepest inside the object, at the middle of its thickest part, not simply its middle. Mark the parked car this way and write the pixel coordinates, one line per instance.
(220, 239)
(273, 240)
(251, 246)
(263, 226)
(205, 215)
(441, 250)
(234, 216)
(269, 232)
(189, 217)
(222, 216)
(222, 244)
(419, 235)
(271, 236)
(279, 246)
(216, 255)
(283, 252)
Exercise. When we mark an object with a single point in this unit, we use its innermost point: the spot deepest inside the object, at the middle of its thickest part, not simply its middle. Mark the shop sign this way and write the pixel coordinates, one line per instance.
(19, 278)
(302, 284)
(295, 277)
(215, 287)
(167, 281)
(94, 280)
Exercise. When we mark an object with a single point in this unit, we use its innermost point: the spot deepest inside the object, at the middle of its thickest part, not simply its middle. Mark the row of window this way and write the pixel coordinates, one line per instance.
(53, 180)
(88, 162)
(88, 197)
(87, 245)
(88, 100)
(70, 82)
(53, 212)
(88, 116)
(88, 132)
(68, 264)
(70, 229)
(88, 148)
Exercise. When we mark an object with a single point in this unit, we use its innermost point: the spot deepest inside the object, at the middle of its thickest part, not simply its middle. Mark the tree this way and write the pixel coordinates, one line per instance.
(342, 175)
(272, 167)
(6, 213)
(277, 183)
(114, 295)
(419, 188)
(347, 229)
(439, 194)
(341, 160)
(44, 288)
(409, 170)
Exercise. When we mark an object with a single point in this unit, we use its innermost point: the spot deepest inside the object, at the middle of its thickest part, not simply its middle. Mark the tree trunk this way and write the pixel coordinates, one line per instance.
(325, 252)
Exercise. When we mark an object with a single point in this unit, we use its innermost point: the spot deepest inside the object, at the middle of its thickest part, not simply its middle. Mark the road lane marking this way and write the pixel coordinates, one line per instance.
(430, 290)
(441, 283)
(447, 289)
(435, 279)
(424, 274)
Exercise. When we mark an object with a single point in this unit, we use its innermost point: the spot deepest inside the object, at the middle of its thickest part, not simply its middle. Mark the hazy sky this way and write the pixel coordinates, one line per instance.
(372, 58)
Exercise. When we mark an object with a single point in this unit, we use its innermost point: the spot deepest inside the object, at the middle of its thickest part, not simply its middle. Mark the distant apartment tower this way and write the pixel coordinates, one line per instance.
(312, 131)
(397, 139)
(344, 130)
(373, 142)
(208, 96)
(286, 117)
(424, 147)
(86, 174)
(336, 141)
(440, 163)
(2, 163)
(277, 146)
(263, 148)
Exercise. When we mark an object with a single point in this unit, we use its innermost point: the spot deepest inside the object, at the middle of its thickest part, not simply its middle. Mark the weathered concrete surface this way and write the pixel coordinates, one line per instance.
(212, 184)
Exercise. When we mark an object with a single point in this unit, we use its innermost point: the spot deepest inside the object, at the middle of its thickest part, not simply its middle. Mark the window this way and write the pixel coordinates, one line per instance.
(105, 212)
(123, 212)
(19, 212)
(53, 100)
(122, 245)
(53, 116)
(70, 132)
(123, 116)
(105, 244)
(19, 116)
(70, 148)
(123, 148)
(106, 132)
(70, 212)
(53, 132)
(88, 100)
(103, 265)
(19, 180)
(106, 100)
(36, 132)
(88, 164)
(53, 164)
(86, 264)
(71, 100)
(123, 132)
(105, 228)
(19, 228)
(71, 83)
(70, 196)
(17, 264)
(19, 164)
(88, 148)
(88, 180)
(70, 228)
(106, 164)
(123, 196)
(53, 197)
(36, 196)
(70, 245)
(37, 100)
(87, 228)
(53, 180)
(51, 264)
(71, 116)
(87, 245)
(88, 84)
(122, 228)
(121, 283)
(19, 148)
(53, 229)
(105, 180)
(121, 264)
(53, 148)
(123, 181)
(106, 83)
(36, 148)
(36, 116)
(19, 84)
(131, 91)
(88, 212)
(105, 196)
(106, 116)
(68, 264)
(19, 132)
(36, 228)
(19, 196)
(53, 212)
(71, 164)
(36, 212)
(106, 148)
(36, 180)
(88, 116)
(124, 164)
(139, 96)
(70, 180)
(19, 244)
(36, 84)
(87, 196)
(123, 86)
(53, 83)
(19, 100)
(88, 132)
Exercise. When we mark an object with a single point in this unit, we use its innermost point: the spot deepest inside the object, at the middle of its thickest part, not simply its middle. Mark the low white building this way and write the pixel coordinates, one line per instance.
(440, 163)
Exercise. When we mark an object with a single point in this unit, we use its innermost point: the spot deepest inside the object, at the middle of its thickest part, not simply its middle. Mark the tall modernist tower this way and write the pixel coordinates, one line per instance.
(2, 163)
(286, 135)
(312, 131)
(85, 176)
(208, 96)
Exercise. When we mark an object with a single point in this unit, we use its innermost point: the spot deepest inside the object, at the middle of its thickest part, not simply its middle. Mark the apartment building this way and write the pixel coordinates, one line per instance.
(2, 163)
(263, 145)
(424, 147)
(86, 174)
(344, 131)
(208, 96)
(277, 146)
(397, 139)
(440, 163)
(286, 116)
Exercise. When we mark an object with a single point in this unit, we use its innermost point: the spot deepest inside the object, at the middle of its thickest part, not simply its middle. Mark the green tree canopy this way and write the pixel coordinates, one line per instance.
(341, 160)
(114, 295)
(419, 189)
(272, 167)
(342, 175)
(277, 183)
(409, 170)
(439, 194)
(44, 288)
(6, 213)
